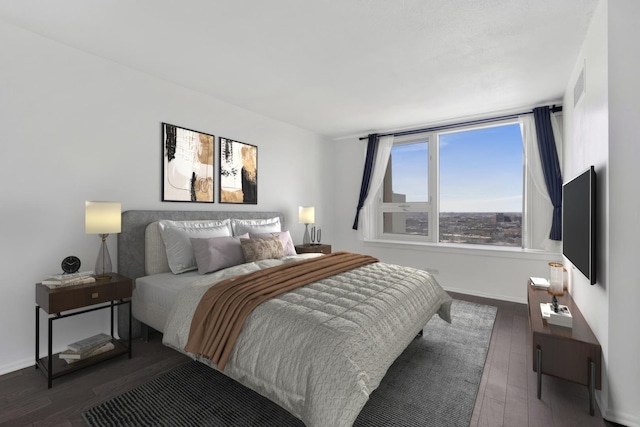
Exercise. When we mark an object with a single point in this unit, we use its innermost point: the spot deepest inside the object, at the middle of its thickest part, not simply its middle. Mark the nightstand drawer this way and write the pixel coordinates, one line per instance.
(315, 248)
(56, 300)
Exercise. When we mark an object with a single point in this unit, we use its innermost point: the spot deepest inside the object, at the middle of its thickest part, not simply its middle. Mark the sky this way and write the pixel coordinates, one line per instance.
(480, 170)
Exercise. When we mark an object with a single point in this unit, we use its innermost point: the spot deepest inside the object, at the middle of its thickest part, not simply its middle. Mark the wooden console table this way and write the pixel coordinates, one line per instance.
(573, 353)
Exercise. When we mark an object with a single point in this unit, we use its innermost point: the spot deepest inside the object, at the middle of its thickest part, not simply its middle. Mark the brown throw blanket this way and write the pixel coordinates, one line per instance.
(223, 309)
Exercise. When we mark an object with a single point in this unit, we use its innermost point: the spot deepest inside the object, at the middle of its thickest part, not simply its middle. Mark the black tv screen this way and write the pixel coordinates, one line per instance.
(578, 222)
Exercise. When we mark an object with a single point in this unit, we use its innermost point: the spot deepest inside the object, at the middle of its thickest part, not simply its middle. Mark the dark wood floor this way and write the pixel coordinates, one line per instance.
(507, 394)
(508, 391)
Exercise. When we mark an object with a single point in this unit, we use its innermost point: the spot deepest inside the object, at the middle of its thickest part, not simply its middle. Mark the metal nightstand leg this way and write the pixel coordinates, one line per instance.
(50, 359)
(130, 331)
(37, 334)
(592, 387)
(539, 369)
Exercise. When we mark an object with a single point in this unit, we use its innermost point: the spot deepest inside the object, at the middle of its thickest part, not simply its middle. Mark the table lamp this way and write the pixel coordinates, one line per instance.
(306, 216)
(102, 218)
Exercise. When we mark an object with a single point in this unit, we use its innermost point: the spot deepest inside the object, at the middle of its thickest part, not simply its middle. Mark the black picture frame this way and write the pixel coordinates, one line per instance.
(238, 172)
(188, 157)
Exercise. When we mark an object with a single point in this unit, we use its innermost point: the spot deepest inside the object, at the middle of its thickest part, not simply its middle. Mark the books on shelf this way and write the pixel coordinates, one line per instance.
(59, 280)
(539, 282)
(561, 318)
(71, 275)
(72, 357)
(89, 343)
(52, 284)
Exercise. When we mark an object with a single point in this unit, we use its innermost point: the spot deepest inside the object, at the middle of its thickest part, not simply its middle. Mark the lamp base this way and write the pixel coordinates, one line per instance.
(103, 262)
(306, 239)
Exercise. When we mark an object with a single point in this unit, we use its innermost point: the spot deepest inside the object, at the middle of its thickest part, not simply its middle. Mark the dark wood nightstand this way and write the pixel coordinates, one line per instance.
(107, 293)
(313, 249)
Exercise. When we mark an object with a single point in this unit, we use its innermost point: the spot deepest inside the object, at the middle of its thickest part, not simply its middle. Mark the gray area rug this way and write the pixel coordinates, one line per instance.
(434, 382)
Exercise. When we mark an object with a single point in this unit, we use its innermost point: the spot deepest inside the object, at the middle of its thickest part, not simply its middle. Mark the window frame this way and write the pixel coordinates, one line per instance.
(432, 207)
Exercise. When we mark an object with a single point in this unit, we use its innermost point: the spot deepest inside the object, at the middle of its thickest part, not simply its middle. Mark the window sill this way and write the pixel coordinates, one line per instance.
(462, 249)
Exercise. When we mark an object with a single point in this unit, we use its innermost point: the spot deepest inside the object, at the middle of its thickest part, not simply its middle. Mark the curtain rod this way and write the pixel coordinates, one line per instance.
(553, 108)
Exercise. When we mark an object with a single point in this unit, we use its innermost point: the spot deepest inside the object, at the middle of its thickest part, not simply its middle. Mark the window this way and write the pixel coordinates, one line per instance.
(405, 190)
(457, 186)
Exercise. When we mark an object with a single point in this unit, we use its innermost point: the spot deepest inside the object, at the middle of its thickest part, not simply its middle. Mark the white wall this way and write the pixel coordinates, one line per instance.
(585, 144)
(601, 131)
(76, 127)
(624, 205)
(495, 274)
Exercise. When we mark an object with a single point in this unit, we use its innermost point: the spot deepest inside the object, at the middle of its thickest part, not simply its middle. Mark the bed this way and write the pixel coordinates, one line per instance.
(318, 350)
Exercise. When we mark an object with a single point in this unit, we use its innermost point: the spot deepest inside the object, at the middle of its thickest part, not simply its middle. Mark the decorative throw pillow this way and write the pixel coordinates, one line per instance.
(215, 253)
(257, 249)
(241, 226)
(285, 238)
(177, 234)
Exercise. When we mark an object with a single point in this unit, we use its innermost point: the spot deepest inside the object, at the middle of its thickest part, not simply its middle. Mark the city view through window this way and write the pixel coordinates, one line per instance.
(480, 188)
(485, 228)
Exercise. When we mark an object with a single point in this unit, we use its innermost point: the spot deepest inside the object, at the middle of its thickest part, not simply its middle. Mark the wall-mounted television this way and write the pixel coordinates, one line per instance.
(579, 222)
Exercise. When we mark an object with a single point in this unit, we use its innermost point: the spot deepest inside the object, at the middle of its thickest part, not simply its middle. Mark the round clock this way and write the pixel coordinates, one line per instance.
(71, 264)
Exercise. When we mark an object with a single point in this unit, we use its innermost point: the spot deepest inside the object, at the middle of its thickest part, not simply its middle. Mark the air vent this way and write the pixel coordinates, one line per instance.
(578, 89)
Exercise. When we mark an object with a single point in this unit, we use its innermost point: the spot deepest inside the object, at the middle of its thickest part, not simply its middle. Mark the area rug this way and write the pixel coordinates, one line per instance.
(434, 382)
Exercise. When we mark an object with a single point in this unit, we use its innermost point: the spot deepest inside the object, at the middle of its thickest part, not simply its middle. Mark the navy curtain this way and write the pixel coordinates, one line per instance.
(550, 167)
(372, 146)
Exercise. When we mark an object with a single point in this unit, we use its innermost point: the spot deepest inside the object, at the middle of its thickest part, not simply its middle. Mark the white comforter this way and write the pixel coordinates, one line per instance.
(319, 351)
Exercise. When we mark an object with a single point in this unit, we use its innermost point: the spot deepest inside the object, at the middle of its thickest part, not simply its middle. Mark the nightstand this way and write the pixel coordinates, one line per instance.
(313, 249)
(107, 293)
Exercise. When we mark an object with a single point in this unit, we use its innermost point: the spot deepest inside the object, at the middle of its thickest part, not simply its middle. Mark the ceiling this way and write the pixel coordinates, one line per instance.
(338, 68)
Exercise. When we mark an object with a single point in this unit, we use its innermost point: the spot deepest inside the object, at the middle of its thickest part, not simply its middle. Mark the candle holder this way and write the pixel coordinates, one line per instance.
(556, 279)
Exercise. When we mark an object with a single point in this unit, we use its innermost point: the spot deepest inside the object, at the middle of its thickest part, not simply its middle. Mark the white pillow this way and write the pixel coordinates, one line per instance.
(242, 226)
(177, 234)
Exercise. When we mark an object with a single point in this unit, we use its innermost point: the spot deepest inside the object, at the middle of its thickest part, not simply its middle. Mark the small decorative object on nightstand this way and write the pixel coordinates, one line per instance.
(70, 264)
(315, 235)
(311, 249)
(107, 293)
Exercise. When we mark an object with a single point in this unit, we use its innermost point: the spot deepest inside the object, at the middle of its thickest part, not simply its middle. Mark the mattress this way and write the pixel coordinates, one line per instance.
(154, 296)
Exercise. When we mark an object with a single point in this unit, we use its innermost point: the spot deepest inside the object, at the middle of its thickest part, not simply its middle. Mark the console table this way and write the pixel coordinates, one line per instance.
(573, 353)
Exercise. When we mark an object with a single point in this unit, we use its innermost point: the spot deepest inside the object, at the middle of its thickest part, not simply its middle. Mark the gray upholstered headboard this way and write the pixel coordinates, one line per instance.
(131, 244)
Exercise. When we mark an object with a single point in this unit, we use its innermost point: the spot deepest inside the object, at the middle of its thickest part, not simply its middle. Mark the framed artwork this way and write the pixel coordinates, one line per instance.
(187, 165)
(238, 172)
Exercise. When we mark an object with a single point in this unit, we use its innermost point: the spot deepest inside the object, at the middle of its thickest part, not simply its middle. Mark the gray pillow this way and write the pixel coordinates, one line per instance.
(285, 238)
(269, 225)
(176, 235)
(257, 249)
(216, 253)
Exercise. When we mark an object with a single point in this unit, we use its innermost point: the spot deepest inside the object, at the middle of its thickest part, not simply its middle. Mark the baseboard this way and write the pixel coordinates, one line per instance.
(29, 361)
(486, 295)
(615, 416)
(16, 366)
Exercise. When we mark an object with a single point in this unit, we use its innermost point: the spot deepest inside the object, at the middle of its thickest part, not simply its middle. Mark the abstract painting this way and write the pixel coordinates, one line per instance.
(238, 172)
(187, 165)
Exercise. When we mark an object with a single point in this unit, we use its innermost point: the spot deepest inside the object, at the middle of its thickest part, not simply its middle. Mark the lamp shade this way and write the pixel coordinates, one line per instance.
(102, 217)
(306, 215)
